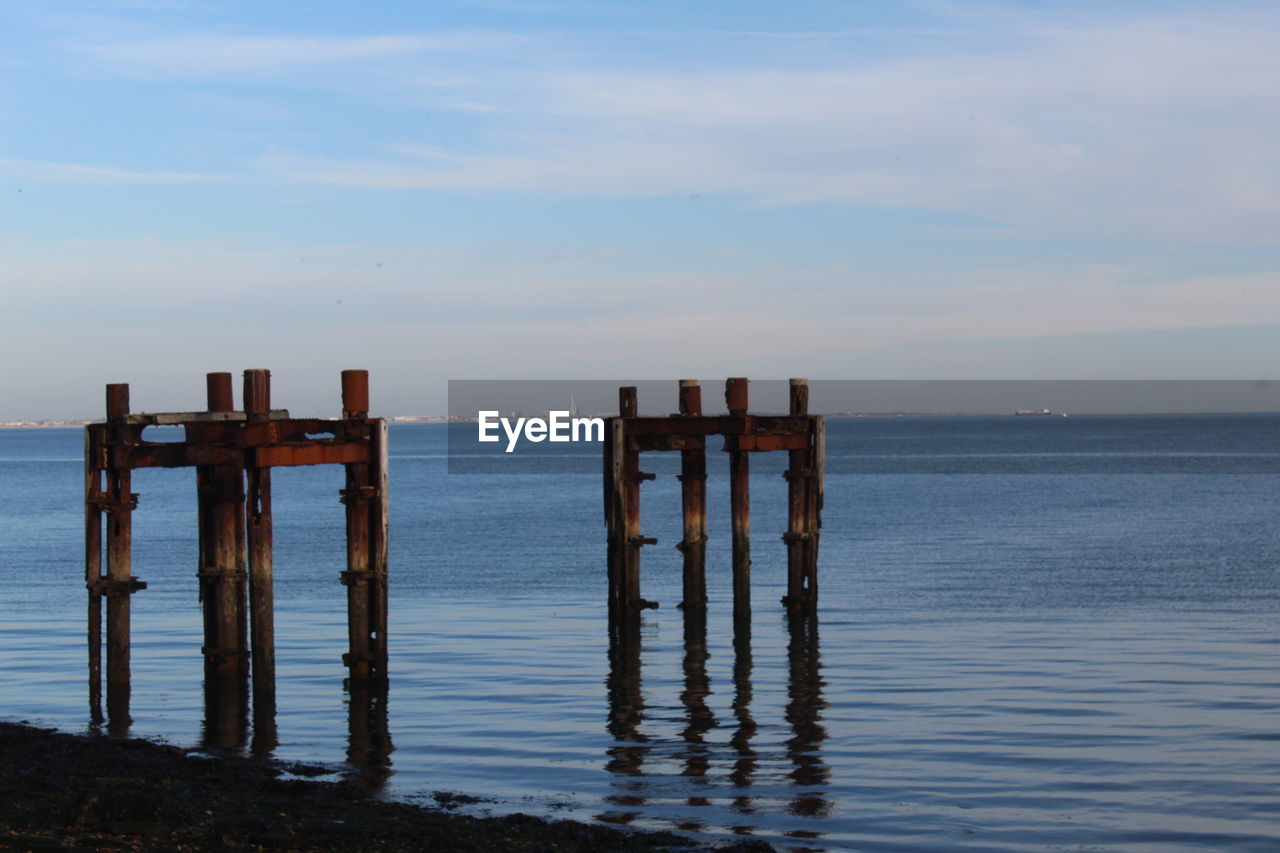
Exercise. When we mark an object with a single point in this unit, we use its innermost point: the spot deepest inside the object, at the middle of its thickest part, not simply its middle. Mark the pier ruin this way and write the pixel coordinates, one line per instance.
(233, 452)
(799, 433)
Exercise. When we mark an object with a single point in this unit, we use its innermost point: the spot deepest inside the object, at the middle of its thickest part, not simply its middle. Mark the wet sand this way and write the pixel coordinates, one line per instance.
(83, 792)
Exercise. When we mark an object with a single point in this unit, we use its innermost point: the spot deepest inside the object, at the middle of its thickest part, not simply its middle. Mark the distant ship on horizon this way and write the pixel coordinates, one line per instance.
(1033, 412)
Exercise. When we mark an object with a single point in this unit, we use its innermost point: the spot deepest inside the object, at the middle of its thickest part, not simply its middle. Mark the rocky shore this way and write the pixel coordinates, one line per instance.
(83, 792)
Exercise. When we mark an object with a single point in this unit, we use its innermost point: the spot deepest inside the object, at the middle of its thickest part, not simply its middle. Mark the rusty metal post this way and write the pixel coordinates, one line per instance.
(355, 394)
(119, 587)
(693, 502)
(220, 506)
(735, 395)
(257, 407)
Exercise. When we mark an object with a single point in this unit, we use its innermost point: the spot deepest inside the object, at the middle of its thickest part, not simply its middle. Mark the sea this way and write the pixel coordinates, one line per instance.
(1033, 634)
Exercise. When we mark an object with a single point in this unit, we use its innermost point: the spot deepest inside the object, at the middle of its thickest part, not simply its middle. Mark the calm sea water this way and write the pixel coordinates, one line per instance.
(1001, 662)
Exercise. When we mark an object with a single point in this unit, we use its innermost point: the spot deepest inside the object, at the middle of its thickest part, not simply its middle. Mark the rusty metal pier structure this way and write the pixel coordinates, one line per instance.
(799, 433)
(233, 452)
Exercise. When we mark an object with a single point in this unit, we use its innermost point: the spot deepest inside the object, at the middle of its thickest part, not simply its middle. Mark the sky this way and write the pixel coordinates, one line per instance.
(509, 189)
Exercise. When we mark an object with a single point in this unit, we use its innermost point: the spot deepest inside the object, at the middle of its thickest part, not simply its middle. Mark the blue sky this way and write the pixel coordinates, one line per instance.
(533, 189)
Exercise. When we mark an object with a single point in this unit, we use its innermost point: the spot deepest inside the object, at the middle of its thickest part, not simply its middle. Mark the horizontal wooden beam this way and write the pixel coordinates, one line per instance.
(666, 442)
(178, 454)
(311, 453)
(177, 418)
(755, 443)
(694, 425)
(182, 454)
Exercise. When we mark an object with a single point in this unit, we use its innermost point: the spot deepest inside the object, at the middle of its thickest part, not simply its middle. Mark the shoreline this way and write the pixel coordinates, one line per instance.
(83, 792)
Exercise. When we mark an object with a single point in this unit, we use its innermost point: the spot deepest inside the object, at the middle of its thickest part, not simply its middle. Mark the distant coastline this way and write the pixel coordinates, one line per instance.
(441, 419)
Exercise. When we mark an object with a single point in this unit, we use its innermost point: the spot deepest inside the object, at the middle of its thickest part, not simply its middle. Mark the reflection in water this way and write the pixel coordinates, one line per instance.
(226, 712)
(804, 713)
(265, 738)
(118, 719)
(756, 775)
(226, 725)
(747, 762)
(697, 686)
(369, 746)
(626, 712)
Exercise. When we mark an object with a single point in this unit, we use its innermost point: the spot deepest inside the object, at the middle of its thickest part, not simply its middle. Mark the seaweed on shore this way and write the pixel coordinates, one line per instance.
(83, 792)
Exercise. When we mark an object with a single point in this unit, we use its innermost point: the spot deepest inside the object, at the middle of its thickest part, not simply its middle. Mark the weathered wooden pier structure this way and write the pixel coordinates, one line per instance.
(799, 433)
(233, 452)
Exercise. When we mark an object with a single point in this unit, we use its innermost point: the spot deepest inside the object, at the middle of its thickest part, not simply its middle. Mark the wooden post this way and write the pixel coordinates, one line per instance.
(220, 506)
(93, 564)
(378, 531)
(739, 501)
(818, 443)
(693, 502)
(615, 500)
(630, 505)
(257, 406)
(365, 497)
(799, 476)
(120, 502)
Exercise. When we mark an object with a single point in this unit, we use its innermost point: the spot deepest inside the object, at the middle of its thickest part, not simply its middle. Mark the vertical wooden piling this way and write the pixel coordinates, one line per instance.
(735, 395)
(799, 476)
(630, 506)
(257, 408)
(93, 565)
(693, 502)
(379, 526)
(355, 407)
(120, 502)
(220, 507)
(818, 457)
(365, 497)
(615, 501)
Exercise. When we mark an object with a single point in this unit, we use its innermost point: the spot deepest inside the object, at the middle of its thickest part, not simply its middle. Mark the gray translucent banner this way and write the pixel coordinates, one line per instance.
(900, 426)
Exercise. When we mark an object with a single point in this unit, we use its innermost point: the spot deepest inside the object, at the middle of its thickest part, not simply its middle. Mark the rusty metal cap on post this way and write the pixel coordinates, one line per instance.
(117, 401)
(735, 395)
(257, 393)
(627, 406)
(355, 393)
(690, 397)
(799, 396)
(219, 394)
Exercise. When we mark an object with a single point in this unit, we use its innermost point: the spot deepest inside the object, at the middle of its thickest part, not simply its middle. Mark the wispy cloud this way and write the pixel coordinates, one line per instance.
(212, 55)
(1162, 127)
(38, 170)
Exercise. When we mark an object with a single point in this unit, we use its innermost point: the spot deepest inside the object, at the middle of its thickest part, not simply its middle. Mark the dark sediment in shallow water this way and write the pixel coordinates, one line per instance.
(83, 792)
